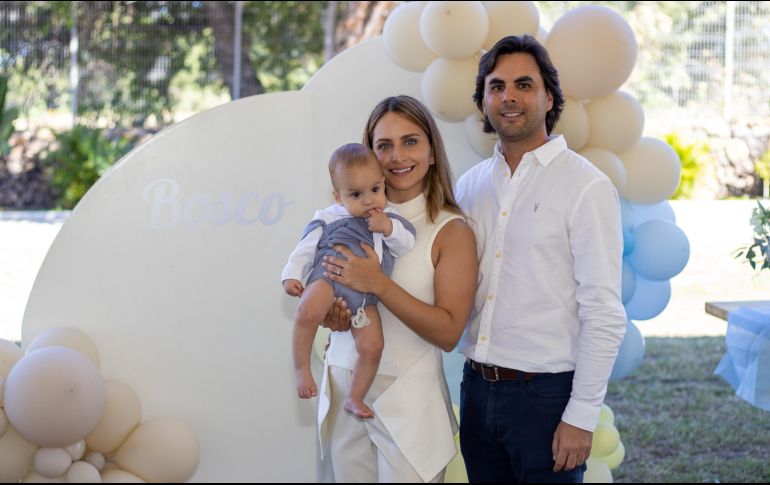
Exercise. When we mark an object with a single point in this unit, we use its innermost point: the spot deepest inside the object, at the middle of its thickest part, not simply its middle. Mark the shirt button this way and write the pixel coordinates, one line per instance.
(483, 338)
(491, 297)
(498, 254)
(504, 213)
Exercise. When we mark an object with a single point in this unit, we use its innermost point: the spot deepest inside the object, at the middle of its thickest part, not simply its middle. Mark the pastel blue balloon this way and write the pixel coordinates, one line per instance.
(661, 250)
(453, 371)
(649, 299)
(629, 282)
(643, 213)
(628, 242)
(626, 214)
(631, 353)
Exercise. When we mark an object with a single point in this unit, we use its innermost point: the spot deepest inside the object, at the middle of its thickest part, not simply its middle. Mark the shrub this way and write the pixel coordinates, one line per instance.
(695, 157)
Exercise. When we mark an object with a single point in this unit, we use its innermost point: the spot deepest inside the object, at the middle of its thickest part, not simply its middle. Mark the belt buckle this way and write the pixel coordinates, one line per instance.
(484, 368)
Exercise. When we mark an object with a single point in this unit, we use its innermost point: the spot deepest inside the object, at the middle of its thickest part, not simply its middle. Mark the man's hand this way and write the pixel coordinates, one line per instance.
(338, 318)
(571, 447)
(293, 287)
(378, 221)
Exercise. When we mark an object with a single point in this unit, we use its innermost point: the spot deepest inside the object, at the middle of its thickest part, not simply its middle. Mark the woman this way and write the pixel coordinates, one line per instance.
(425, 305)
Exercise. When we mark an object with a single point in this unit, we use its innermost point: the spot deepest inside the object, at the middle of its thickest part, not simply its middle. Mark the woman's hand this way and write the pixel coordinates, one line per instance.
(359, 274)
(338, 318)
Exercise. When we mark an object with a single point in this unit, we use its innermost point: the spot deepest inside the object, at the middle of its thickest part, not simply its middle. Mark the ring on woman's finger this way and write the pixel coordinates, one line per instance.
(339, 271)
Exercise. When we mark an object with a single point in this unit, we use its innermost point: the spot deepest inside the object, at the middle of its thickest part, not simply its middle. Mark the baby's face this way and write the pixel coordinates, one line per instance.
(360, 189)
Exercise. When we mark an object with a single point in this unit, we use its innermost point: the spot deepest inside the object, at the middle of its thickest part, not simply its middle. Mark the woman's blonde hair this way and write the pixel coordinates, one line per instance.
(437, 184)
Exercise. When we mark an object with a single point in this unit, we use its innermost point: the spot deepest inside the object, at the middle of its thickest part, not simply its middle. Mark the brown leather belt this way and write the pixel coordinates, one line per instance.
(494, 373)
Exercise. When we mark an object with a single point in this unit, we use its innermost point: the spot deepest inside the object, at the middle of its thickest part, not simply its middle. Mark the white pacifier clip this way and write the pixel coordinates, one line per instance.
(360, 320)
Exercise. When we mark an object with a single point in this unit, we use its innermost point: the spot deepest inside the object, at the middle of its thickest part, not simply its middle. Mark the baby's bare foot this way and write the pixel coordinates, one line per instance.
(306, 387)
(358, 408)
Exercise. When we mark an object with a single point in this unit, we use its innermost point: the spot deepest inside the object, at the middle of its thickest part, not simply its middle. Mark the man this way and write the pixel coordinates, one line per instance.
(548, 318)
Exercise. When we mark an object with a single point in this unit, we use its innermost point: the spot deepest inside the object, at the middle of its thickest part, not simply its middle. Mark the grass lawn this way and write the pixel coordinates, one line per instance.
(681, 423)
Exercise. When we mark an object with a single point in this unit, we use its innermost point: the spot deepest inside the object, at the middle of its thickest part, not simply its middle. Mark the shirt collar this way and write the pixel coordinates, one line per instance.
(544, 154)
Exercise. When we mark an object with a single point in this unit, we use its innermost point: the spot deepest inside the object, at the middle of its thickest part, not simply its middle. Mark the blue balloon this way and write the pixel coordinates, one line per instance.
(626, 214)
(649, 299)
(629, 282)
(631, 353)
(453, 371)
(661, 210)
(629, 242)
(661, 250)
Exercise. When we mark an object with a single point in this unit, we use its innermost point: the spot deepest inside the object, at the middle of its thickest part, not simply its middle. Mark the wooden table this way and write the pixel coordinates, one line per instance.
(720, 309)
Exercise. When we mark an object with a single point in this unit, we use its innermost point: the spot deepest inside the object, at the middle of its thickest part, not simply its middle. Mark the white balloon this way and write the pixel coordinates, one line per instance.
(10, 353)
(448, 86)
(573, 124)
(71, 338)
(96, 459)
(597, 471)
(510, 18)
(120, 476)
(160, 450)
(15, 456)
(482, 143)
(594, 49)
(454, 30)
(542, 35)
(34, 477)
(402, 38)
(2, 390)
(609, 163)
(616, 121)
(82, 472)
(77, 450)
(122, 414)
(653, 169)
(54, 396)
(51, 462)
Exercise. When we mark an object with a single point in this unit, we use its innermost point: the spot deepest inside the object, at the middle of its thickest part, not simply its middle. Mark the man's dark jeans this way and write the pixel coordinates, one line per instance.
(507, 427)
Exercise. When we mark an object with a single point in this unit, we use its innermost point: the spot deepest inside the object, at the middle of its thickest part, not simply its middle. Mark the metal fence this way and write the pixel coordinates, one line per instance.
(130, 62)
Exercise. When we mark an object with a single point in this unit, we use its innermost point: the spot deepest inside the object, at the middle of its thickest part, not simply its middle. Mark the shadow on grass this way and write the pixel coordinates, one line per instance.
(681, 423)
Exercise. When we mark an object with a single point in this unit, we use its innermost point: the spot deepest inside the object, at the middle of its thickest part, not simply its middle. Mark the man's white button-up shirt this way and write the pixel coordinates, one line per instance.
(550, 248)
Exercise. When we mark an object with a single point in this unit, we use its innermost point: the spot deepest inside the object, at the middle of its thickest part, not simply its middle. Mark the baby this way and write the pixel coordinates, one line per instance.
(359, 215)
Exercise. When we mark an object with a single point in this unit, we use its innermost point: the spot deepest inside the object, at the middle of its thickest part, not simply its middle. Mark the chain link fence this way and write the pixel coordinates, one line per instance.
(158, 62)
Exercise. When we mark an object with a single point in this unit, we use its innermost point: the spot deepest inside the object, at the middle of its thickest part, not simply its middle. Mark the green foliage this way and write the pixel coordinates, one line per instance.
(758, 253)
(762, 167)
(78, 158)
(695, 157)
(6, 117)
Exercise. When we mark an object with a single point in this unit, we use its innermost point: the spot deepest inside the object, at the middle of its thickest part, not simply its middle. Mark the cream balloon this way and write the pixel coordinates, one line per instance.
(606, 415)
(542, 35)
(454, 30)
(597, 471)
(82, 472)
(54, 396)
(2, 390)
(609, 163)
(510, 18)
(10, 353)
(616, 121)
(15, 456)
(71, 338)
(653, 170)
(96, 459)
(614, 459)
(120, 476)
(34, 477)
(594, 49)
(605, 439)
(573, 124)
(448, 86)
(51, 462)
(77, 450)
(402, 39)
(3, 422)
(482, 143)
(122, 414)
(160, 450)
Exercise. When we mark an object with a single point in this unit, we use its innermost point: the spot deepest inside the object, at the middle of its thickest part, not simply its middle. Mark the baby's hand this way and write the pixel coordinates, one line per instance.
(379, 221)
(293, 287)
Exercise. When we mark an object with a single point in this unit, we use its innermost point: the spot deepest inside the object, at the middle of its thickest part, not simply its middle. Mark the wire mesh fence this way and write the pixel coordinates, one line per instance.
(140, 62)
